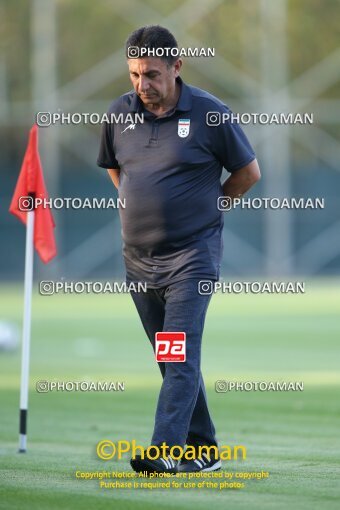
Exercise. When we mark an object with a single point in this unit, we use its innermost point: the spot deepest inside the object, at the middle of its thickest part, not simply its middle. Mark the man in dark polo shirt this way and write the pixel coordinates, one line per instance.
(168, 170)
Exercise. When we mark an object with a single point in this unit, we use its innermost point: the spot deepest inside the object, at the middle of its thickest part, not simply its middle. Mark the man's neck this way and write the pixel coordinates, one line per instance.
(161, 109)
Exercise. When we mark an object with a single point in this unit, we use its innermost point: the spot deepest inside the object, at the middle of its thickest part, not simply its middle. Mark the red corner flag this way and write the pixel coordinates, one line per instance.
(30, 186)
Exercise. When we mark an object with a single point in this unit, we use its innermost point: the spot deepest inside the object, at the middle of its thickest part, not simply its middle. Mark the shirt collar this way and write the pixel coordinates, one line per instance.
(183, 105)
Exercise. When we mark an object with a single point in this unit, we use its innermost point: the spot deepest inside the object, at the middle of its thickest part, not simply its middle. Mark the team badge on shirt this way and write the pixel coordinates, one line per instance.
(183, 128)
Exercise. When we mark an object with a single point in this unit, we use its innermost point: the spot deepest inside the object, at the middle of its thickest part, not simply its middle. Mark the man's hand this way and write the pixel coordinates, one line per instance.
(114, 174)
(242, 180)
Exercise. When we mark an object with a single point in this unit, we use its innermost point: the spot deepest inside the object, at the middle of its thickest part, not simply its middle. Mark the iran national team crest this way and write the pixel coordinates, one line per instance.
(183, 127)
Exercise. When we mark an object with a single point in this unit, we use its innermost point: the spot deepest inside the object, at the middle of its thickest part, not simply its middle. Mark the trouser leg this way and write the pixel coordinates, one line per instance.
(184, 310)
(151, 310)
(201, 429)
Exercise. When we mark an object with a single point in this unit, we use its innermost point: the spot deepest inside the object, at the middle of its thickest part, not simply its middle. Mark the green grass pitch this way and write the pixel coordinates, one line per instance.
(293, 435)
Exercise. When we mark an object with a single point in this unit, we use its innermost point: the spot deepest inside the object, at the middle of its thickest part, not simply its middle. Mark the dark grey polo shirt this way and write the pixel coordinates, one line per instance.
(170, 170)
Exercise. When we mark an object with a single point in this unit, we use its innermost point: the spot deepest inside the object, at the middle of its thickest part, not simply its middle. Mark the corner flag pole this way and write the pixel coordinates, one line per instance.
(39, 235)
(26, 333)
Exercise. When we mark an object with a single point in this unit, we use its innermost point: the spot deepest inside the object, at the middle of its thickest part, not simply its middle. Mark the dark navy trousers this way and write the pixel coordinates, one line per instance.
(182, 415)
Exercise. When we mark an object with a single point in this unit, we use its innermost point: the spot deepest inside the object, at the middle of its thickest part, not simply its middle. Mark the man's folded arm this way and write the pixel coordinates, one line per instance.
(242, 180)
(114, 174)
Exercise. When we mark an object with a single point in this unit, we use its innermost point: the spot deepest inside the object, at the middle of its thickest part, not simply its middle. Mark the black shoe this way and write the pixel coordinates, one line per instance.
(202, 463)
(160, 465)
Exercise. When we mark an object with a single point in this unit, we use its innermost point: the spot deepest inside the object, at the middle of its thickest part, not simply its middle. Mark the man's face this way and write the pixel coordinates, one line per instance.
(152, 79)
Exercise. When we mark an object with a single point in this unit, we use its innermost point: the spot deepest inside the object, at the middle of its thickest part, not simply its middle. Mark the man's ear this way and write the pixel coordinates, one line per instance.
(177, 65)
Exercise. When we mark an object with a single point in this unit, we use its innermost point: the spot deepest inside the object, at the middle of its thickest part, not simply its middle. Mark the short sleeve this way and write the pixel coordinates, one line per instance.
(106, 157)
(230, 144)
